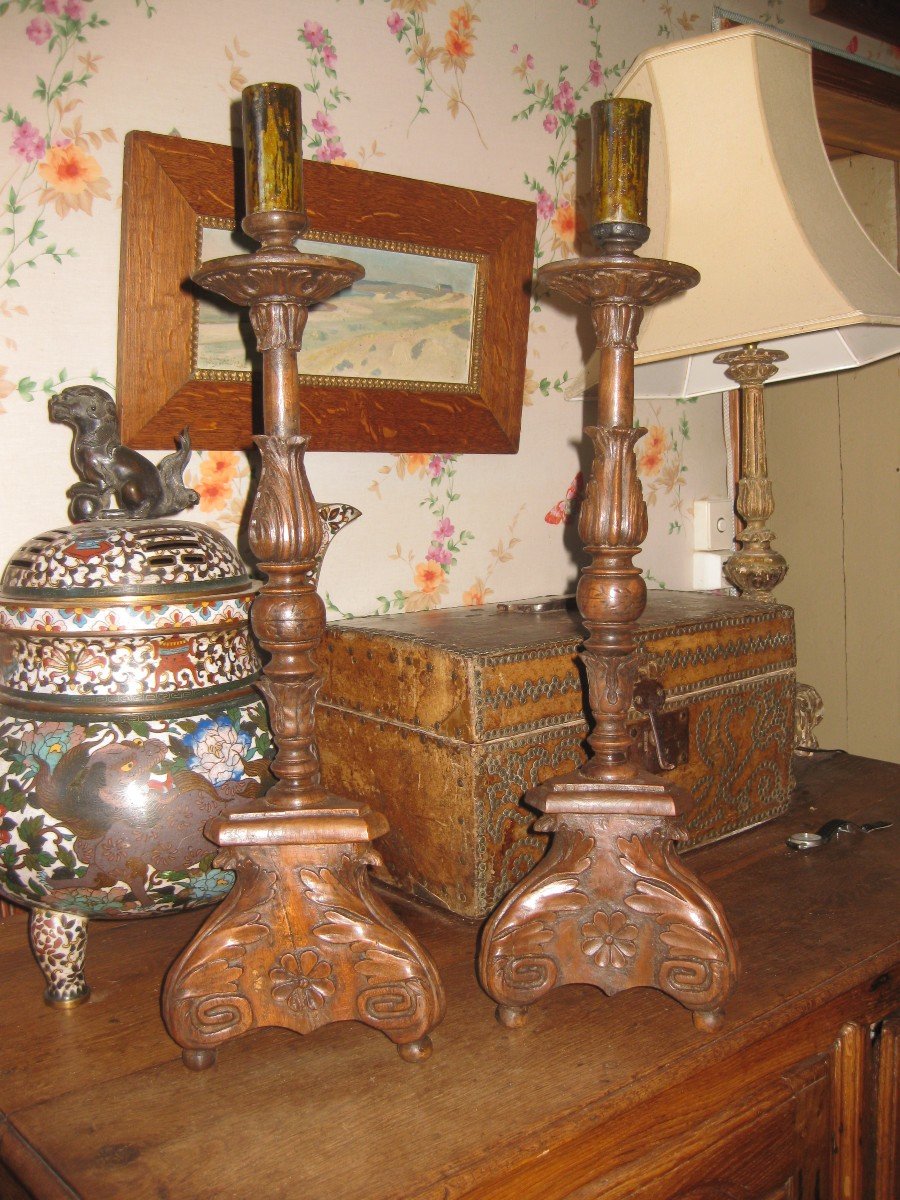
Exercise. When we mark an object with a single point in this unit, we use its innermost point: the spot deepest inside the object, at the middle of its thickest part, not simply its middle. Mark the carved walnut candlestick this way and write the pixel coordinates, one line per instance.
(611, 904)
(302, 940)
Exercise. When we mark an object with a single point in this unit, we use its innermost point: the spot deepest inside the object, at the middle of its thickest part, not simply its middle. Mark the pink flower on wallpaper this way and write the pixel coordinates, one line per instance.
(75, 9)
(436, 465)
(332, 149)
(550, 122)
(28, 143)
(313, 34)
(545, 206)
(329, 56)
(439, 554)
(324, 125)
(38, 31)
(588, 3)
(595, 73)
(395, 23)
(54, 7)
(564, 100)
(853, 45)
(528, 62)
(444, 530)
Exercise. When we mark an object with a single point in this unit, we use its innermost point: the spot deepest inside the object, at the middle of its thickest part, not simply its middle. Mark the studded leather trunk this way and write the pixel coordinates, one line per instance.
(443, 720)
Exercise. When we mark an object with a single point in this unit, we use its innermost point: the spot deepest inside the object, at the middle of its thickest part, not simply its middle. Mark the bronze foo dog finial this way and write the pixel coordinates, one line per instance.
(110, 471)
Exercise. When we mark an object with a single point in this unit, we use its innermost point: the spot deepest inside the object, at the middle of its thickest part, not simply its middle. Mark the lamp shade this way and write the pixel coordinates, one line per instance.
(741, 189)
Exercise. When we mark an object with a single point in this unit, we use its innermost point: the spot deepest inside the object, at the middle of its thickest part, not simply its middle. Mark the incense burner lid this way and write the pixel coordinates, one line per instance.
(113, 613)
(123, 558)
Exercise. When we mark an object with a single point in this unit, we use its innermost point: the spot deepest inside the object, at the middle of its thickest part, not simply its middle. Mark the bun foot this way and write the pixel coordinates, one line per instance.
(511, 1017)
(198, 1060)
(417, 1051)
(709, 1022)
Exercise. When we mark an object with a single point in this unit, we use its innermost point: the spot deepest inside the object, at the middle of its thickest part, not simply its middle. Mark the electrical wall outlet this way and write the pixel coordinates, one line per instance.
(713, 525)
(707, 565)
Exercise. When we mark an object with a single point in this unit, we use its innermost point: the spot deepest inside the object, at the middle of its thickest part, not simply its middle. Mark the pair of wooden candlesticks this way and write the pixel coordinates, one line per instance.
(302, 939)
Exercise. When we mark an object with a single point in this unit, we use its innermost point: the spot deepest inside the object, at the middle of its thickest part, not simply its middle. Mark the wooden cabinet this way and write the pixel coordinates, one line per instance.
(824, 1128)
(597, 1098)
(885, 1167)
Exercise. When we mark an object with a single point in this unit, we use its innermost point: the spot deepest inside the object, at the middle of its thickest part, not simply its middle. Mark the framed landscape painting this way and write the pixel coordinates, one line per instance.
(426, 353)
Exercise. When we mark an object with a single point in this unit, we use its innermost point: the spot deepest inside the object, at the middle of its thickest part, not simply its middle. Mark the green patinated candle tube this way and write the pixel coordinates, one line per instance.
(273, 160)
(620, 147)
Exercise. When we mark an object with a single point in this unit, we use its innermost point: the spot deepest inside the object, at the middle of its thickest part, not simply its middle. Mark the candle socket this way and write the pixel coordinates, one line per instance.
(620, 155)
(273, 162)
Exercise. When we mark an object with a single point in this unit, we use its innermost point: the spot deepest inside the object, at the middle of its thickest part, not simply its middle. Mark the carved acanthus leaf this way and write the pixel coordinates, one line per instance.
(610, 679)
(617, 324)
(285, 525)
(614, 512)
(278, 325)
(666, 891)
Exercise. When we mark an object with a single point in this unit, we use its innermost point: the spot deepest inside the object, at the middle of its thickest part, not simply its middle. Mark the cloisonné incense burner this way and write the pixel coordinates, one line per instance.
(128, 719)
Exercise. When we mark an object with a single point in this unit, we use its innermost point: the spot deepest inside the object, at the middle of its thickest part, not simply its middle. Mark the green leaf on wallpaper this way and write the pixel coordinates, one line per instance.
(685, 429)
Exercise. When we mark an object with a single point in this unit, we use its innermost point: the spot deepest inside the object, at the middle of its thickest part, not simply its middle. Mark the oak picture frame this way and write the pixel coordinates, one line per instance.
(173, 187)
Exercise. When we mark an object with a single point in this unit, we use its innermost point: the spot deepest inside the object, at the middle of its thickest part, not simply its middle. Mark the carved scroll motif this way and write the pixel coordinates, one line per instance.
(399, 991)
(518, 965)
(699, 963)
(207, 998)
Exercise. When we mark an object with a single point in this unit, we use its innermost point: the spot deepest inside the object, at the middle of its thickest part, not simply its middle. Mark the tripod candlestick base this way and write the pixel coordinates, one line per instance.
(302, 940)
(610, 904)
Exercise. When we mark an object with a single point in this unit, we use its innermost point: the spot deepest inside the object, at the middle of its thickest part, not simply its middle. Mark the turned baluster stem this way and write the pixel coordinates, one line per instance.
(756, 568)
(611, 593)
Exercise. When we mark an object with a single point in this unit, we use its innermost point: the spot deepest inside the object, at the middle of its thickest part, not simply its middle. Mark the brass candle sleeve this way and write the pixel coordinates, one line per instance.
(620, 155)
(273, 165)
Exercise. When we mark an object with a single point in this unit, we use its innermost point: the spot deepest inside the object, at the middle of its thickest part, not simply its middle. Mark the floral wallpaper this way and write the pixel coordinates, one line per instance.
(490, 94)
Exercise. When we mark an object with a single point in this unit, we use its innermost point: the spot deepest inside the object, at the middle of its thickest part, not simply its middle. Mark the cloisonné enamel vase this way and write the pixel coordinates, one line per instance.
(128, 719)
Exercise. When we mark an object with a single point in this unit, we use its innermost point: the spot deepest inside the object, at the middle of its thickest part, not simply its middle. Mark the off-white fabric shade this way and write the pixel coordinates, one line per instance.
(741, 189)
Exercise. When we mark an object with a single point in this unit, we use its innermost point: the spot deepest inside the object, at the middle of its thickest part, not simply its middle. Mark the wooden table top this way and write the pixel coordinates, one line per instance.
(96, 1100)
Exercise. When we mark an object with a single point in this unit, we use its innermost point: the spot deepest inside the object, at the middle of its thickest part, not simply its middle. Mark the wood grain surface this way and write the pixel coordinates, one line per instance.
(96, 1100)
